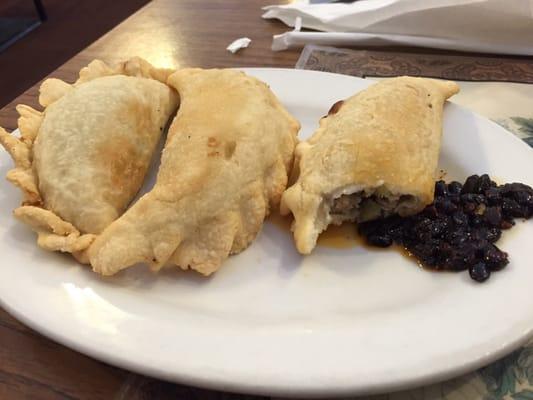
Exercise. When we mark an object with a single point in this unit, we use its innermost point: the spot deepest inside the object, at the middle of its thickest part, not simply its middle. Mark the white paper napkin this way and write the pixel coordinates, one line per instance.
(487, 26)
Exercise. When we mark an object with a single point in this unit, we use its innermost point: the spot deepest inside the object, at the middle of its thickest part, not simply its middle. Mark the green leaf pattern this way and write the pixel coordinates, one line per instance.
(501, 377)
(520, 126)
(523, 395)
(510, 378)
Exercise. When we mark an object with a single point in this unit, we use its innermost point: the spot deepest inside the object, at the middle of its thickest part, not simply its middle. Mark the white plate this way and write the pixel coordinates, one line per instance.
(341, 321)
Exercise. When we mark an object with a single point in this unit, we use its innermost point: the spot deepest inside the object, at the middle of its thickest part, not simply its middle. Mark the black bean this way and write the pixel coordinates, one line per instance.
(379, 240)
(424, 253)
(460, 218)
(495, 258)
(511, 208)
(479, 272)
(395, 232)
(430, 211)
(468, 198)
(476, 220)
(438, 228)
(480, 246)
(484, 183)
(470, 185)
(469, 208)
(430, 261)
(423, 223)
(455, 198)
(506, 224)
(473, 198)
(493, 234)
(515, 187)
(493, 216)
(457, 237)
(445, 205)
(422, 235)
(441, 188)
(493, 196)
(479, 233)
(523, 198)
(417, 249)
(454, 188)
(462, 258)
(444, 251)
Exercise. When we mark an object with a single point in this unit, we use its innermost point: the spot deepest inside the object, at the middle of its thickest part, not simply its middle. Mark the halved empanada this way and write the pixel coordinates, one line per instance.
(223, 167)
(375, 154)
(81, 161)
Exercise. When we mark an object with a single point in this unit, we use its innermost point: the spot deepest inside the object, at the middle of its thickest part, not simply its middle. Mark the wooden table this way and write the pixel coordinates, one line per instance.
(179, 33)
(168, 33)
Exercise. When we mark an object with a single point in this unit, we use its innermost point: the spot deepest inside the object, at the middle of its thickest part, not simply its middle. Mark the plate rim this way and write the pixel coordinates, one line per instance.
(230, 386)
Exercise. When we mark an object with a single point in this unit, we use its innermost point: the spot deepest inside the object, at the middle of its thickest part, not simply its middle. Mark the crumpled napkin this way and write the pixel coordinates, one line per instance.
(485, 26)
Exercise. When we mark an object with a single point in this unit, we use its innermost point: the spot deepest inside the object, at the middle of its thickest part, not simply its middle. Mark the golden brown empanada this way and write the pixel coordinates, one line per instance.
(223, 167)
(82, 160)
(375, 154)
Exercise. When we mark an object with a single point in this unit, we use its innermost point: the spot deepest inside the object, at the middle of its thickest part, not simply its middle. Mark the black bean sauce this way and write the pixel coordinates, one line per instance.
(458, 230)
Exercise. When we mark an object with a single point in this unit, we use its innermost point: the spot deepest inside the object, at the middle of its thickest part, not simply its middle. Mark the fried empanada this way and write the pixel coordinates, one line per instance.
(375, 154)
(81, 161)
(224, 166)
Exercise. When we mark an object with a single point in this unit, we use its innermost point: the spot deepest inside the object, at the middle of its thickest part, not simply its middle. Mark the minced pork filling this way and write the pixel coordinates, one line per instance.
(362, 206)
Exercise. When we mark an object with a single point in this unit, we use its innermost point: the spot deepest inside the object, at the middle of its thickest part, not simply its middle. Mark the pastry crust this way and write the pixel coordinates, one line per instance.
(382, 142)
(82, 160)
(224, 165)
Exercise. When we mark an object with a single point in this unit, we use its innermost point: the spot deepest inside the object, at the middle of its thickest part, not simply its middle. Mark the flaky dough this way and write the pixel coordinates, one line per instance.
(387, 136)
(82, 160)
(223, 167)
